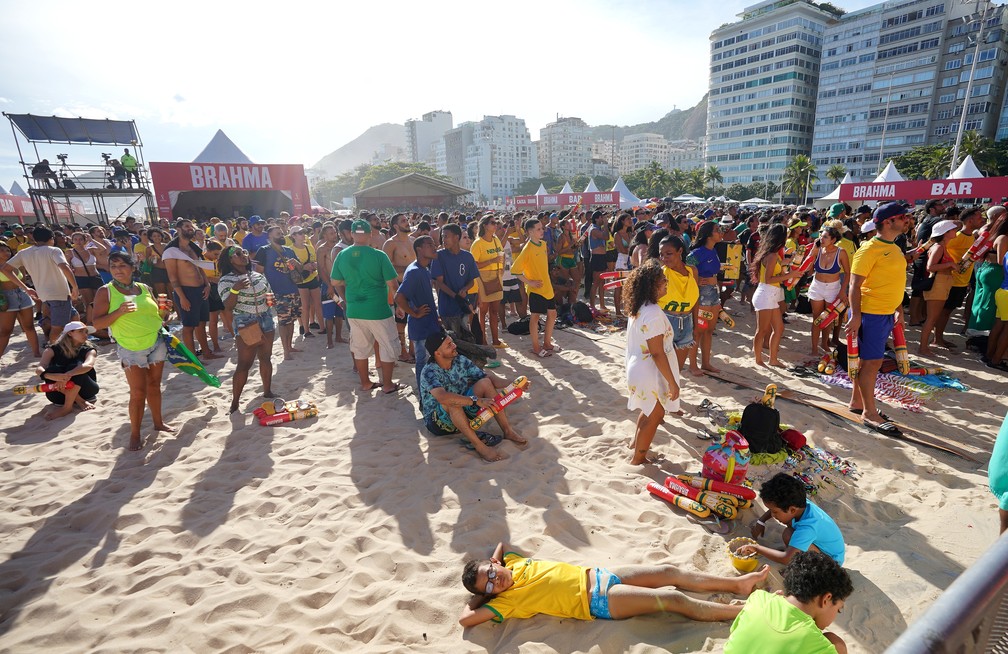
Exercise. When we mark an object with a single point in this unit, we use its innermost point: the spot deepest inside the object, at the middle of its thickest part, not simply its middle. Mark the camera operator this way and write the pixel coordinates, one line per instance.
(118, 174)
(42, 171)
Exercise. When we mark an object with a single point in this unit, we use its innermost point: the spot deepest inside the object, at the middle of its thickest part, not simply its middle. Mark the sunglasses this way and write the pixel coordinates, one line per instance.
(491, 575)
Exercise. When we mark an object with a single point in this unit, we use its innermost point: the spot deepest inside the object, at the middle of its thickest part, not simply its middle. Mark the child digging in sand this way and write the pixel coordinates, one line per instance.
(511, 585)
(815, 589)
(808, 528)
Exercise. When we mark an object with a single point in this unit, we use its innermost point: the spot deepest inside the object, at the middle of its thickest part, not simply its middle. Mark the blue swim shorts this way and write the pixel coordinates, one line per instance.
(598, 604)
(874, 332)
(682, 327)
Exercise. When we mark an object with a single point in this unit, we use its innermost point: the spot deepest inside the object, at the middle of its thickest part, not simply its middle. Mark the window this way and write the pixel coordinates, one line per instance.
(953, 64)
(946, 98)
(950, 81)
(956, 48)
(974, 124)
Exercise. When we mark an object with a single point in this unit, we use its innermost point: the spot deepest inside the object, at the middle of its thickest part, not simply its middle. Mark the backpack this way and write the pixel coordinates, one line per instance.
(520, 327)
(728, 460)
(582, 312)
(761, 427)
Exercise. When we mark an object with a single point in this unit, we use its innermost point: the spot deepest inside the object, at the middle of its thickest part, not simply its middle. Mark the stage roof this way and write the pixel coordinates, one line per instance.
(413, 183)
(75, 130)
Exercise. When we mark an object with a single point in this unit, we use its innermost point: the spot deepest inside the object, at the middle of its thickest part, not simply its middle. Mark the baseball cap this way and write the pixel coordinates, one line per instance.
(361, 227)
(942, 227)
(864, 208)
(254, 219)
(434, 341)
(836, 209)
(869, 226)
(76, 324)
(888, 210)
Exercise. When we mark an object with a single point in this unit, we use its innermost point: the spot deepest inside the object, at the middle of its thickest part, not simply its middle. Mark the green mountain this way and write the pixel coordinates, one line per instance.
(676, 125)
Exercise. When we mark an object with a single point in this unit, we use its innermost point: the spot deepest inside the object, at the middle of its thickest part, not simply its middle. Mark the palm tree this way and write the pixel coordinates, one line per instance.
(695, 181)
(712, 176)
(937, 161)
(976, 145)
(656, 180)
(678, 179)
(798, 176)
(836, 173)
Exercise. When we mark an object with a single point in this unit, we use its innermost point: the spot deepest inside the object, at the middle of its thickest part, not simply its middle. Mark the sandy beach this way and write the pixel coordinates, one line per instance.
(348, 532)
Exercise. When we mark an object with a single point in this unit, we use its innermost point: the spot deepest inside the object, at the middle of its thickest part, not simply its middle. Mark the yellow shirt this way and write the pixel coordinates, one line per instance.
(682, 292)
(848, 247)
(18, 243)
(956, 248)
(139, 251)
(305, 255)
(483, 250)
(557, 589)
(239, 237)
(776, 271)
(533, 264)
(883, 267)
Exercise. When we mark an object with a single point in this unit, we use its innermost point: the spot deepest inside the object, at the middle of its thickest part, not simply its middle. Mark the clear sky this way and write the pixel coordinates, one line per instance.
(291, 81)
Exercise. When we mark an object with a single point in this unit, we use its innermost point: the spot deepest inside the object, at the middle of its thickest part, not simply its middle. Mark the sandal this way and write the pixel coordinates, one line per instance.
(886, 428)
(493, 364)
(395, 389)
(860, 411)
(554, 348)
(488, 439)
(542, 354)
(501, 346)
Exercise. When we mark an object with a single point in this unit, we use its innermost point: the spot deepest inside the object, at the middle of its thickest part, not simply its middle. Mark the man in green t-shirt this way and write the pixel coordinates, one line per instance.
(365, 281)
(815, 589)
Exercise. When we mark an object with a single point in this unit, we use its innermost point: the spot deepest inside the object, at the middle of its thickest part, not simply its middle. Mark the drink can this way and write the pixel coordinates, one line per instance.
(269, 299)
(162, 301)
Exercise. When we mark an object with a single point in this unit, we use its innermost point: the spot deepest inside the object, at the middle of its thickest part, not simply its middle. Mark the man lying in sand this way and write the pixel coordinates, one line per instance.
(815, 589)
(510, 585)
(453, 390)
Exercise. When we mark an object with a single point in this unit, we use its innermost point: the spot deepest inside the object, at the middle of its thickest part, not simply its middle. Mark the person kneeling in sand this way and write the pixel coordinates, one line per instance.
(511, 585)
(815, 589)
(453, 390)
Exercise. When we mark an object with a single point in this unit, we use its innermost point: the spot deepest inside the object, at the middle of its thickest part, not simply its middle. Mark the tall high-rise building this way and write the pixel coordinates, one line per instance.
(490, 157)
(565, 148)
(423, 134)
(764, 76)
(894, 77)
(637, 151)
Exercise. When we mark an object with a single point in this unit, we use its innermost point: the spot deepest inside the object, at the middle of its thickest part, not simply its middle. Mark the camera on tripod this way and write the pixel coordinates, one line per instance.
(62, 157)
(106, 156)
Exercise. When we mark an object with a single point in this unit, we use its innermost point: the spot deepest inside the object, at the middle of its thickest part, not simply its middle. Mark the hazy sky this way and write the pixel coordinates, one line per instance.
(292, 81)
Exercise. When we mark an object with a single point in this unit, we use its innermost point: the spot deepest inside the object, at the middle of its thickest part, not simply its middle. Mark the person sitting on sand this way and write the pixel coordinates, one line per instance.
(453, 390)
(815, 590)
(245, 297)
(652, 368)
(511, 585)
(807, 527)
(130, 311)
(70, 359)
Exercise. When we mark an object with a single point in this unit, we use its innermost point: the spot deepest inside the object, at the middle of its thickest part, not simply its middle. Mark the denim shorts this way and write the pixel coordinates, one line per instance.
(598, 604)
(244, 319)
(709, 296)
(144, 358)
(682, 327)
(17, 300)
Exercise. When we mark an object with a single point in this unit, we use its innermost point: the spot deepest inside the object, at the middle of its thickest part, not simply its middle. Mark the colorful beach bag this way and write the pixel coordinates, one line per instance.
(728, 460)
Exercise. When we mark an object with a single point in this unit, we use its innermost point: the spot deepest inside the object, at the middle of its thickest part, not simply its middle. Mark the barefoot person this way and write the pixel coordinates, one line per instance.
(680, 300)
(877, 285)
(399, 248)
(18, 306)
(766, 272)
(309, 289)
(704, 260)
(277, 263)
(70, 359)
(652, 369)
(453, 390)
(940, 266)
(815, 590)
(832, 269)
(130, 311)
(184, 262)
(332, 313)
(365, 281)
(244, 293)
(512, 585)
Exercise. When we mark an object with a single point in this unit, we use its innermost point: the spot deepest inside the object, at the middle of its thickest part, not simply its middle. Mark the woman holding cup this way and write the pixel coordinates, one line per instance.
(131, 312)
(247, 295)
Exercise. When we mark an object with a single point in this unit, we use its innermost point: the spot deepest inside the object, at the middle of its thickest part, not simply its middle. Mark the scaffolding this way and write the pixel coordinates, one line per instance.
(65, 189)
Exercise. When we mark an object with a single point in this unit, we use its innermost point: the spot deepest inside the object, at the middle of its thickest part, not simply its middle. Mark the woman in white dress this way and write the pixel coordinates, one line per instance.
(651, 365)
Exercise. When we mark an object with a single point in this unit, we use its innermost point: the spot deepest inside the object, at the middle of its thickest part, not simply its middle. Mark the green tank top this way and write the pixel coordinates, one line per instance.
(138, 330)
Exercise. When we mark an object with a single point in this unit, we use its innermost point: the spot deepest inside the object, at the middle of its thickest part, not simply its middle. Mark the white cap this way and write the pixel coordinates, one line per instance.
(942, 227)
(869, 226)
(76, 324)
(995, 211)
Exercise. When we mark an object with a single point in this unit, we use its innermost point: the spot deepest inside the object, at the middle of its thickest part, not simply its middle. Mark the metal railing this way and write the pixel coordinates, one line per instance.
(970, 617)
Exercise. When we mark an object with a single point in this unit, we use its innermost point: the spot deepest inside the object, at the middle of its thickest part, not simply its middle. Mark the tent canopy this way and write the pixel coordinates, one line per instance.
(591, 188)
(16, 189)
(412, 189)
(75, 130)
(541, 191)
(966, 170)
(755, 201)
(685, 197)
(567, 188)
(890, 174)
(626, 198)
(221, 149)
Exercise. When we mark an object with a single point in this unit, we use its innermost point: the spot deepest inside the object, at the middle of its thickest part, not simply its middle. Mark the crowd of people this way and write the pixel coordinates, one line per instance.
(438, 291)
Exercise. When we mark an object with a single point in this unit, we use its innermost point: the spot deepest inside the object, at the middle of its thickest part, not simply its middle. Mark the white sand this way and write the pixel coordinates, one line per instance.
(348, 532)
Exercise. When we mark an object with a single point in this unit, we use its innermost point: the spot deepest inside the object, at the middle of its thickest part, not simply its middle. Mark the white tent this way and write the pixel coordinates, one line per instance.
(966, 170)
(626, 198)
(16, 189)
(567, 188)
(686, 197)
(755, 201)
(221, 149)
(2, 191)
(591, 188)
(834, 195)
(542, 190)
(889, 174)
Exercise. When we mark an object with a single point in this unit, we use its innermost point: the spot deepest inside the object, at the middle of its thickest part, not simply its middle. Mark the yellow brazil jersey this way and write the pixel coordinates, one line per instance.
(956, 248)
(883, 267)
(533, 264)
(557, 589)
(682, 292)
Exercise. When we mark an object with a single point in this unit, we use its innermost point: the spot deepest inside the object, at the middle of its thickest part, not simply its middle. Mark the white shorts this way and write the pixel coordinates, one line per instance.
(767, 297)
(622, 261)
(364, 334)
(825, 291)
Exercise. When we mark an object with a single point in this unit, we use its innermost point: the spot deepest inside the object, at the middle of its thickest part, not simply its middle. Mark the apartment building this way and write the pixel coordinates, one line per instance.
(764, 77)
(637, 151)
(491, 156)
(685, 155)
(423, 135)
(565, 148)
